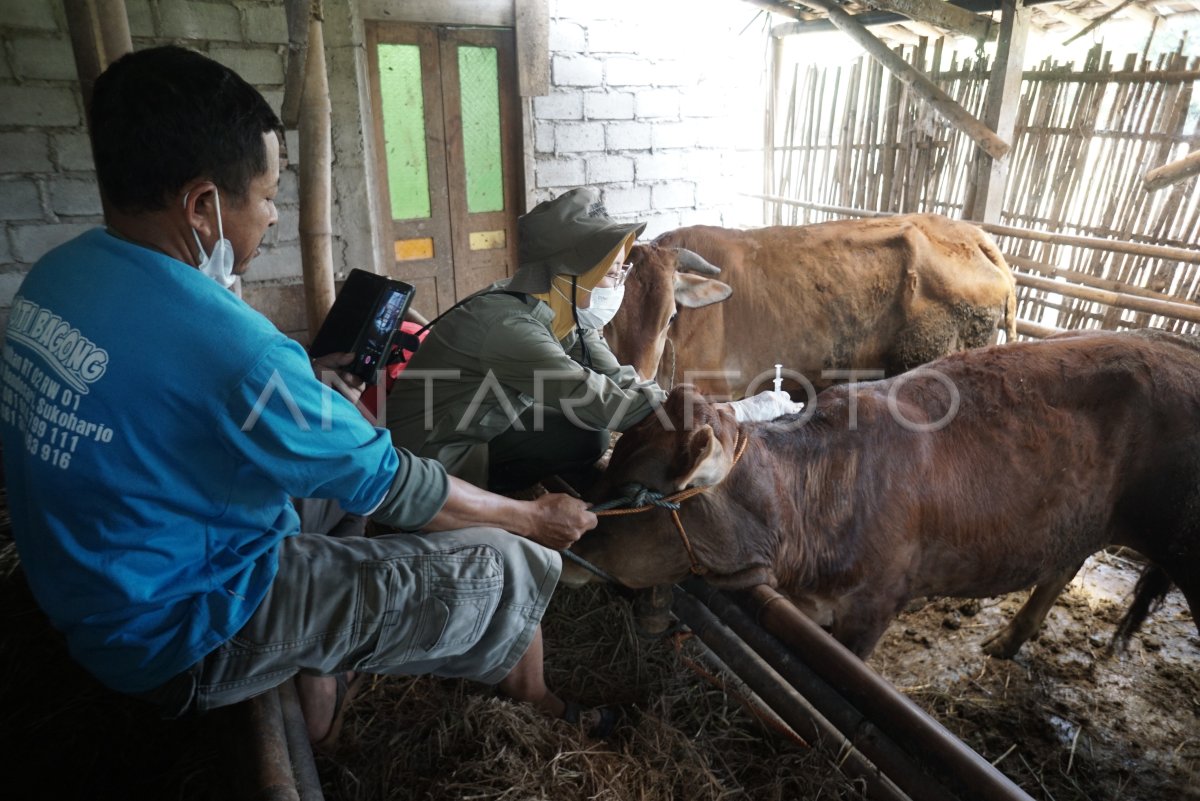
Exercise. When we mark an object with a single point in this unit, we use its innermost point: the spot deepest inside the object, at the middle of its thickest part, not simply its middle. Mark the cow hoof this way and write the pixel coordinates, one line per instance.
(999, 647)
(653, 626)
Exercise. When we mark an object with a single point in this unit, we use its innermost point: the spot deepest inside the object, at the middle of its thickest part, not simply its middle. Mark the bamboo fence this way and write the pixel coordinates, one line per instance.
(855, 138)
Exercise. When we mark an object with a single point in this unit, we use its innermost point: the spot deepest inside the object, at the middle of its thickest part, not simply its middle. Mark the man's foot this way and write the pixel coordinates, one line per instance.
(324, 700)
(597, 722)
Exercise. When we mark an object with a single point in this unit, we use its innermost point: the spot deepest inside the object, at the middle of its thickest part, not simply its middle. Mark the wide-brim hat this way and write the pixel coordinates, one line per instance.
(568, 235)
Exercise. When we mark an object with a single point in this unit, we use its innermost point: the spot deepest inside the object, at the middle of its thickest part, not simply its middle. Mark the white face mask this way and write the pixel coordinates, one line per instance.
(217, 265)
(605, 302)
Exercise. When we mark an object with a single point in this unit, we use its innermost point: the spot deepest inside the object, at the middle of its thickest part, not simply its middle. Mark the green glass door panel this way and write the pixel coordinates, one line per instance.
(404, 130)
(479, 86)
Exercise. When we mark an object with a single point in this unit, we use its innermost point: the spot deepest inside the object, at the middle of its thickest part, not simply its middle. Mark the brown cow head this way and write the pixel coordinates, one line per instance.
(691, 444)
(661, 280)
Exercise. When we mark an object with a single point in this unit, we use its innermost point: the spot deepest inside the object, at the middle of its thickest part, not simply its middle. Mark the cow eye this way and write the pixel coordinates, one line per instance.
(672, 320)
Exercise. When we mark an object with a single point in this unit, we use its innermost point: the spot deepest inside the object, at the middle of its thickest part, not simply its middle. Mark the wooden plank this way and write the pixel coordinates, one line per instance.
(942, 103)
(1176, 171)
(939, 13)
(498, 13)
(533, 47)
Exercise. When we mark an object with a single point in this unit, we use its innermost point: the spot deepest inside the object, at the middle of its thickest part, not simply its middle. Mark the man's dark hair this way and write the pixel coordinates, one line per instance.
(164, 116)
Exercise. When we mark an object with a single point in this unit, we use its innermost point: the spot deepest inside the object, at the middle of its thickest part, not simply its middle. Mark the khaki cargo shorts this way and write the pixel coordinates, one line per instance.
(460, 604)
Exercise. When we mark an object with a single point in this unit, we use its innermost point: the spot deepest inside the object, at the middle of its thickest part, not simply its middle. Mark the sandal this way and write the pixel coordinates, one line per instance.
(346, 690)
(600, 720)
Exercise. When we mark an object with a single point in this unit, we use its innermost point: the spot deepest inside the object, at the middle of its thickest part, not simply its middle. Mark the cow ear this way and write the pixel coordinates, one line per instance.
(694, 291)
(708, 461)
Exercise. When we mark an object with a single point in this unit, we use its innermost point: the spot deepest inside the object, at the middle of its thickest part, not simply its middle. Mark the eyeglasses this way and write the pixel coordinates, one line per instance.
(622, 274)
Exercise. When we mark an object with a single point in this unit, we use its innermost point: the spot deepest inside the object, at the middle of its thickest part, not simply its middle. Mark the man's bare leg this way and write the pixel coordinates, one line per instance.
(527, 681)
(318, 699)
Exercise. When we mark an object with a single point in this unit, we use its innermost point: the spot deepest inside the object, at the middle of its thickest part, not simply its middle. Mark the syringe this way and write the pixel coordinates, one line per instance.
(779, 378)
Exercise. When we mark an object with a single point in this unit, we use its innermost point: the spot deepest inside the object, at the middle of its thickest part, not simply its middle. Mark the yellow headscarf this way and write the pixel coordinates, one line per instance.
(560, 304)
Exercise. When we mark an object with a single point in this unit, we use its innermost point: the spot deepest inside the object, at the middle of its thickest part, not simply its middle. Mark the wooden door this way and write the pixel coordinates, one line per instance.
(447, 128)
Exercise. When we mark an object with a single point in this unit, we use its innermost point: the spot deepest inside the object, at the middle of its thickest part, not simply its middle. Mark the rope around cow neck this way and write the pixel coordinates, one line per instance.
(643, 499)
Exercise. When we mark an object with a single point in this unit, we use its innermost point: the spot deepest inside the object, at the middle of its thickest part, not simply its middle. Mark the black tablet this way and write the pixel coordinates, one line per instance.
(364, 319)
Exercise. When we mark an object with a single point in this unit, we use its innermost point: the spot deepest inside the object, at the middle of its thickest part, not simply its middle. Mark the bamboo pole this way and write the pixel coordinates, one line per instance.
(316, 230)
(1085, 279)
(1176, 171)
(298, 13)
(942, 103)
(99, 32)
(1154, 251)
(1025, 328)
(1115, 300)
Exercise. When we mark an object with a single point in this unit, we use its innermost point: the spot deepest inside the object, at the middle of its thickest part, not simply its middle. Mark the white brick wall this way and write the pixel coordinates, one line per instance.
(578, 137)
(48, 190)
(648, 101)
(24, 151)
(680, 87)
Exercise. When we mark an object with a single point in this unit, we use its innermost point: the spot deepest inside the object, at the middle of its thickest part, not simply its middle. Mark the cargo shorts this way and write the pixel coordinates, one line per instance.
(458, 604)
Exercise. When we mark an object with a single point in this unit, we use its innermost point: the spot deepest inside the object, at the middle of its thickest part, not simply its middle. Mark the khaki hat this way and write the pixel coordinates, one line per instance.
(568, 235)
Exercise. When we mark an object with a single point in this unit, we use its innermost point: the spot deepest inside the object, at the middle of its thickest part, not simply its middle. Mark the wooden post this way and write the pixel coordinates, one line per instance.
(533, 78)
(99, 36)
(316, 156)
(986, 195)
(983, 136)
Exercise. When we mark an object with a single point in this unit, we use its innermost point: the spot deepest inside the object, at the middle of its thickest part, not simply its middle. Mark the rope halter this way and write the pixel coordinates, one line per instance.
(642, 499)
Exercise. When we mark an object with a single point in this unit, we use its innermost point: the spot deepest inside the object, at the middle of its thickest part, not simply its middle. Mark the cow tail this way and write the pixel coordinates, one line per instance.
(1151, 588)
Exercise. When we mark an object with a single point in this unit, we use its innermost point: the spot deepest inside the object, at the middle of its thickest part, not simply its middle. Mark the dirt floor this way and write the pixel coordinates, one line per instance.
(1062, 720)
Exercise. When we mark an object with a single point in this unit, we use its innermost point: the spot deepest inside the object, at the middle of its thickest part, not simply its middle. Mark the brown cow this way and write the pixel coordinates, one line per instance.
(983, 473)
(887, 293)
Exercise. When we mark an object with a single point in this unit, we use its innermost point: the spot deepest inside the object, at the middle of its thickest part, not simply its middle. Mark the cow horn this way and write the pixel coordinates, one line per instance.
(692, 262)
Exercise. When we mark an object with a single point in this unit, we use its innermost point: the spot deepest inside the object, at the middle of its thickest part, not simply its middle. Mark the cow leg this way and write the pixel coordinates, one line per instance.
(652, 610)
(1006, 643)
(861, 630)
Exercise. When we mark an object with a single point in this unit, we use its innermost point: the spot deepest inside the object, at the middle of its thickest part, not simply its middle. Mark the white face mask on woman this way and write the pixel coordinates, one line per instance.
(605, 302)
(217, 265)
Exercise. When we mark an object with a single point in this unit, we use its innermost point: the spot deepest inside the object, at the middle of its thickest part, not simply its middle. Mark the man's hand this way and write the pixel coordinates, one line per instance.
(553, 521)
(559, 520)
(346, 383)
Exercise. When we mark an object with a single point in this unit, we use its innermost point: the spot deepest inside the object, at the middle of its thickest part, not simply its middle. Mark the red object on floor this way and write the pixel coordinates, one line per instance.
(371, 395)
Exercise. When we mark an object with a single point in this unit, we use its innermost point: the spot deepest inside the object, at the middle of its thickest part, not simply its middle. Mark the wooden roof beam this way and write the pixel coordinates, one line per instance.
(983, 136)
(1074, 22)
(1173, 173)
(1135, 10)
(940, 14)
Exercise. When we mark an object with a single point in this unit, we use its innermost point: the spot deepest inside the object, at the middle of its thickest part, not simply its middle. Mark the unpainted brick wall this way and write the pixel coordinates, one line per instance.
(659, 104)
(48, 191)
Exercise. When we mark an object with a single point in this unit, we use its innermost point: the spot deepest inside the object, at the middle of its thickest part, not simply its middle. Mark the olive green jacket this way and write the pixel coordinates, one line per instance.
(489, 360)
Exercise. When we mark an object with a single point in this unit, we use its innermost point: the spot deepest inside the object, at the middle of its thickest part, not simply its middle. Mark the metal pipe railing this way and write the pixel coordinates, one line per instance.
(878, 700)
(784, 700)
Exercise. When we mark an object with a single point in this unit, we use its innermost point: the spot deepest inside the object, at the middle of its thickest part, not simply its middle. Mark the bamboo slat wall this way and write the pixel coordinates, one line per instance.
(855, 137)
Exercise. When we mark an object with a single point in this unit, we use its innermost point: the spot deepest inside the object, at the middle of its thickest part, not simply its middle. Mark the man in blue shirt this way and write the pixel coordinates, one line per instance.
(156, 429)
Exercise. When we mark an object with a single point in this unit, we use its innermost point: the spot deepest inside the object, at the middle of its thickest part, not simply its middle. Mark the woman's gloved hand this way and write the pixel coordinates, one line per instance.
(764, 406)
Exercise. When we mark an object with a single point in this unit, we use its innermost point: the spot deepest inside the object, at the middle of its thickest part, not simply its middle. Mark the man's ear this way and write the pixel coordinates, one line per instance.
(707, 462)
(199, 206)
